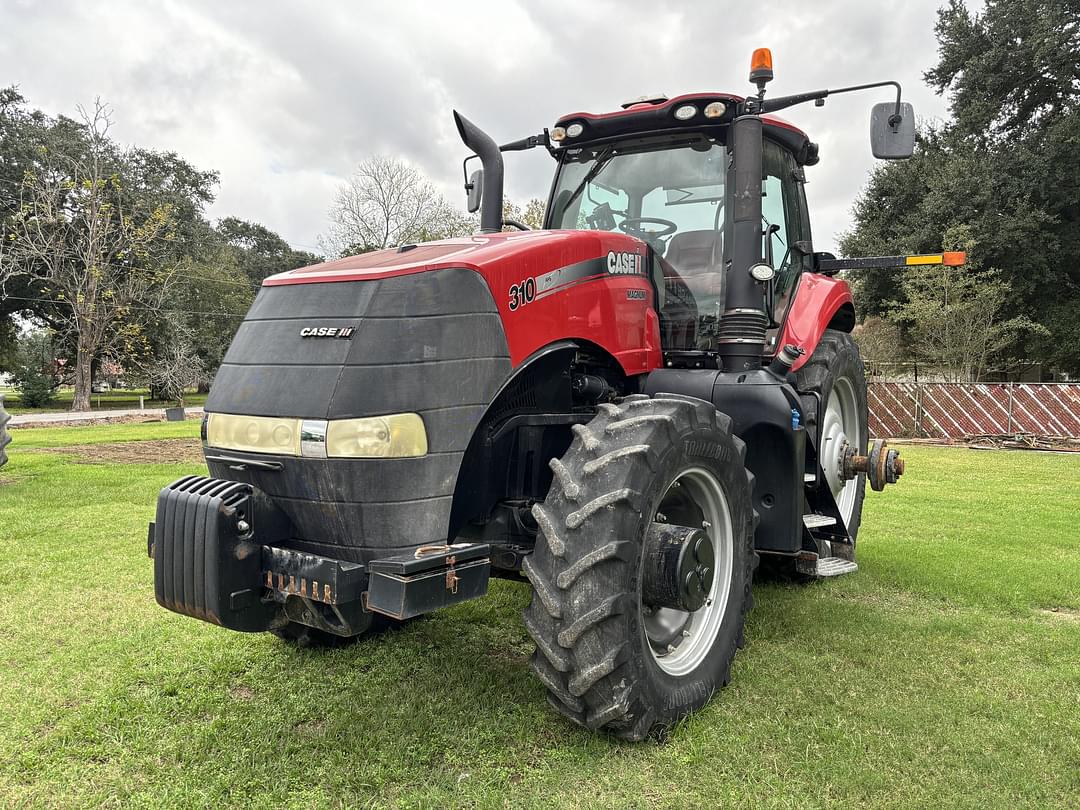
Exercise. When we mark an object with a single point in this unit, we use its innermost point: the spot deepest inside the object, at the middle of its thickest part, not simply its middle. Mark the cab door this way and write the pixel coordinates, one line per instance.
(785, 225)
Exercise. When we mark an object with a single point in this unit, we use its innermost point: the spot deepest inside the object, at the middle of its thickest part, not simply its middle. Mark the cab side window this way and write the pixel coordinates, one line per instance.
(783, 209)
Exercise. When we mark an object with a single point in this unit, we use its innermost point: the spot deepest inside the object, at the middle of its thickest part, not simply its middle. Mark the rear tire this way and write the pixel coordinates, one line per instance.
(597, 647)
(5, 437)
(835, 372)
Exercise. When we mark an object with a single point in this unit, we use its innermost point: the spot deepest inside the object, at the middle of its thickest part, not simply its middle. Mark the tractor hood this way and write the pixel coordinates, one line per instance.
(488, 254)
(546, 286)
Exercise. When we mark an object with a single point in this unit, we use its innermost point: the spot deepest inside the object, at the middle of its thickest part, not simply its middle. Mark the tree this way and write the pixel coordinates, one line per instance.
(880, 344)
(387, 202)
(1005, 167)
(34, 371)
(177, 367)
(531, 215)
(258, 251)
(96, 249)
(954, 315)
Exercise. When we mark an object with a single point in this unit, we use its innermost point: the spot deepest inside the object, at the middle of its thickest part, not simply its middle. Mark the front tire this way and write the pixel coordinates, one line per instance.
(607, 660)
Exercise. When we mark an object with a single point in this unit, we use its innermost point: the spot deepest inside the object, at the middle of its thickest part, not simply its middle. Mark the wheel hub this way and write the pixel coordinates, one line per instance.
(678, 567)
(686, 571)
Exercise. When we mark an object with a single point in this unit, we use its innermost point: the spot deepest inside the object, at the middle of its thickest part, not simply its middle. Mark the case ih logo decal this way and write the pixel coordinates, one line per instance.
(327, 332)
(562, 278)
(624, 263)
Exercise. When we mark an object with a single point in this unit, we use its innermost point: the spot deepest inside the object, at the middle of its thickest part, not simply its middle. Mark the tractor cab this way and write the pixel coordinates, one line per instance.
(659, 170)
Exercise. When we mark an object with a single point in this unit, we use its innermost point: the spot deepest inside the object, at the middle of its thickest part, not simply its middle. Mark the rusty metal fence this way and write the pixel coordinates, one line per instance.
(956, 410)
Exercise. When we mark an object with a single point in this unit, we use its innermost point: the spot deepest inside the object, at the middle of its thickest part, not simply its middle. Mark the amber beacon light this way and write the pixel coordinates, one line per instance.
(761, 67)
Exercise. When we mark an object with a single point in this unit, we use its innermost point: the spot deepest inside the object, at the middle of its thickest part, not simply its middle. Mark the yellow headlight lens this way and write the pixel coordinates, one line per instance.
(254, 434)
(400, 435)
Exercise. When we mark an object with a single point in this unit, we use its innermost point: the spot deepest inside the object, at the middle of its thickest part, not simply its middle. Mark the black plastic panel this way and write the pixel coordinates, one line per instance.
(430, 343)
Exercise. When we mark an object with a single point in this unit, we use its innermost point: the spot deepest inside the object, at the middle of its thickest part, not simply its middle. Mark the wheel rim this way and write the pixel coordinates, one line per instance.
(841, 426)
(679, 640)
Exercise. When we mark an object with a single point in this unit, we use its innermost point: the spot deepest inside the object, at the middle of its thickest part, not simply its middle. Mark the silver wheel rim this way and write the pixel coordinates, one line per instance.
(679, 641)
(841, 425)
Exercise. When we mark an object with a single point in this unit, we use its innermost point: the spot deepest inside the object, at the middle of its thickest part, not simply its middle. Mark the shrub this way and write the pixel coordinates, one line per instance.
(33, 372)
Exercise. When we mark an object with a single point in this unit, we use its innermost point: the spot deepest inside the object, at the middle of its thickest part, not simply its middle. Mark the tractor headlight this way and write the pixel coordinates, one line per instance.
(254, 434)
(400, 435)
(685, 112)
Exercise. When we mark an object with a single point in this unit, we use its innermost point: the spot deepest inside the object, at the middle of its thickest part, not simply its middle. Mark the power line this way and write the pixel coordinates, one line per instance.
(158, 310)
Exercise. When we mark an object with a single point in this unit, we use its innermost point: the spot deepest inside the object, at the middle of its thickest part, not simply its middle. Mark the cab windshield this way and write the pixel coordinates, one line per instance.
(669, 194)
(660, 193)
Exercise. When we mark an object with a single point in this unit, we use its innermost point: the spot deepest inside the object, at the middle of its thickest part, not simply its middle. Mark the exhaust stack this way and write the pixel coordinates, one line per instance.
(488, 151)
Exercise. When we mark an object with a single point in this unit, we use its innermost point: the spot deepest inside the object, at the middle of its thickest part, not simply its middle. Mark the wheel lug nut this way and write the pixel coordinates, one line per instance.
(706, 525)
(661, 517)
(686, 634)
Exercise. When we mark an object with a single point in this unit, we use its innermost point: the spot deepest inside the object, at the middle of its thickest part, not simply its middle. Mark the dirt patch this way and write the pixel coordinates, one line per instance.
(242, 692)
(1064, 614)
(104, 419)
(160, 451)
(311, 728)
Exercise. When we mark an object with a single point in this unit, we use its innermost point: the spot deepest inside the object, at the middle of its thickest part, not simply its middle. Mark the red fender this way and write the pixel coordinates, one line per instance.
(821, 302)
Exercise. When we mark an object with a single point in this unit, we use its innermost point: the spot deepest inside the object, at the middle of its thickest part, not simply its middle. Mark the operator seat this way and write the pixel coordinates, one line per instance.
(698, 256)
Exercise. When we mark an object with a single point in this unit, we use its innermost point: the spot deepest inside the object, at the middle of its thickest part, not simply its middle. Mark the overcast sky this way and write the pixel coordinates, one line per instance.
(284, 98)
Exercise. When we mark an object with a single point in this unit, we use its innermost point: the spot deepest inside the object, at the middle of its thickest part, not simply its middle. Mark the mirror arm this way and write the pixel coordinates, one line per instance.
(531, 142)
(465, 170)
(783, 102)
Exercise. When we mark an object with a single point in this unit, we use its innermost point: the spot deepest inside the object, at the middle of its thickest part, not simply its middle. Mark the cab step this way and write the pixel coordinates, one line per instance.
(813, 566)
(818, 521)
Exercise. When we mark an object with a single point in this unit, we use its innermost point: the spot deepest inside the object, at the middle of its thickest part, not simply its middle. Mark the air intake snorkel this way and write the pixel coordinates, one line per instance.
(488, 151)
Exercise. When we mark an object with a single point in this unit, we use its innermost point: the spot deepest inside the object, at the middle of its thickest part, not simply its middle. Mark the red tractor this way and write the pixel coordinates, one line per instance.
(627, 410)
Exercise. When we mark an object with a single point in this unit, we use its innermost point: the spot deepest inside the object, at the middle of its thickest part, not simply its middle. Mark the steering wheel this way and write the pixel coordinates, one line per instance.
(630, 226)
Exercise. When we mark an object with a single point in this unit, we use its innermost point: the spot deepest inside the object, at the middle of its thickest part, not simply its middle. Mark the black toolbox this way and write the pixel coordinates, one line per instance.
(430, 578)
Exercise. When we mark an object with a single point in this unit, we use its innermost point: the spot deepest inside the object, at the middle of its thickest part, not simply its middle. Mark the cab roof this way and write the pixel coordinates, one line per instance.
(657, 116)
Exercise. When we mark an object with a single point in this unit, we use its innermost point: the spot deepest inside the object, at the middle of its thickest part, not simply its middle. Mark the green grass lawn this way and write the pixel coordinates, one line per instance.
(108, 401)
(945, 673)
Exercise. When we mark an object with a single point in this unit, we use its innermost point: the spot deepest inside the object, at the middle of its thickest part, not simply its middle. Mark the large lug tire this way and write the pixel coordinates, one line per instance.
(835, 372)
(600, 651)
(5, 437)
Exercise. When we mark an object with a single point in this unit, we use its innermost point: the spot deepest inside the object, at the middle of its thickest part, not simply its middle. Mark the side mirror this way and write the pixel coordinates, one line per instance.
(475, 190)
(892, 139)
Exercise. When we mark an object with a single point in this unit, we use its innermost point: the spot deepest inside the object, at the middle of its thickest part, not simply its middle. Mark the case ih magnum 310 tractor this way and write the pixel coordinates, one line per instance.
(627, 410)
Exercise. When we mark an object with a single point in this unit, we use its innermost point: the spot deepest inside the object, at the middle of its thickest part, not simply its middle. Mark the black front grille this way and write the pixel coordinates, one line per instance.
(430, 343)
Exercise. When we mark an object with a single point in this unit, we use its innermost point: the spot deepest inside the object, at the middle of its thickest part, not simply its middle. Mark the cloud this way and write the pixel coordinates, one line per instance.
(285, 98)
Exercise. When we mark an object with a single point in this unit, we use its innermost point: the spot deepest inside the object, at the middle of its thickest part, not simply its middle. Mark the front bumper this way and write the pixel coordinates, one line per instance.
(222, 553)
